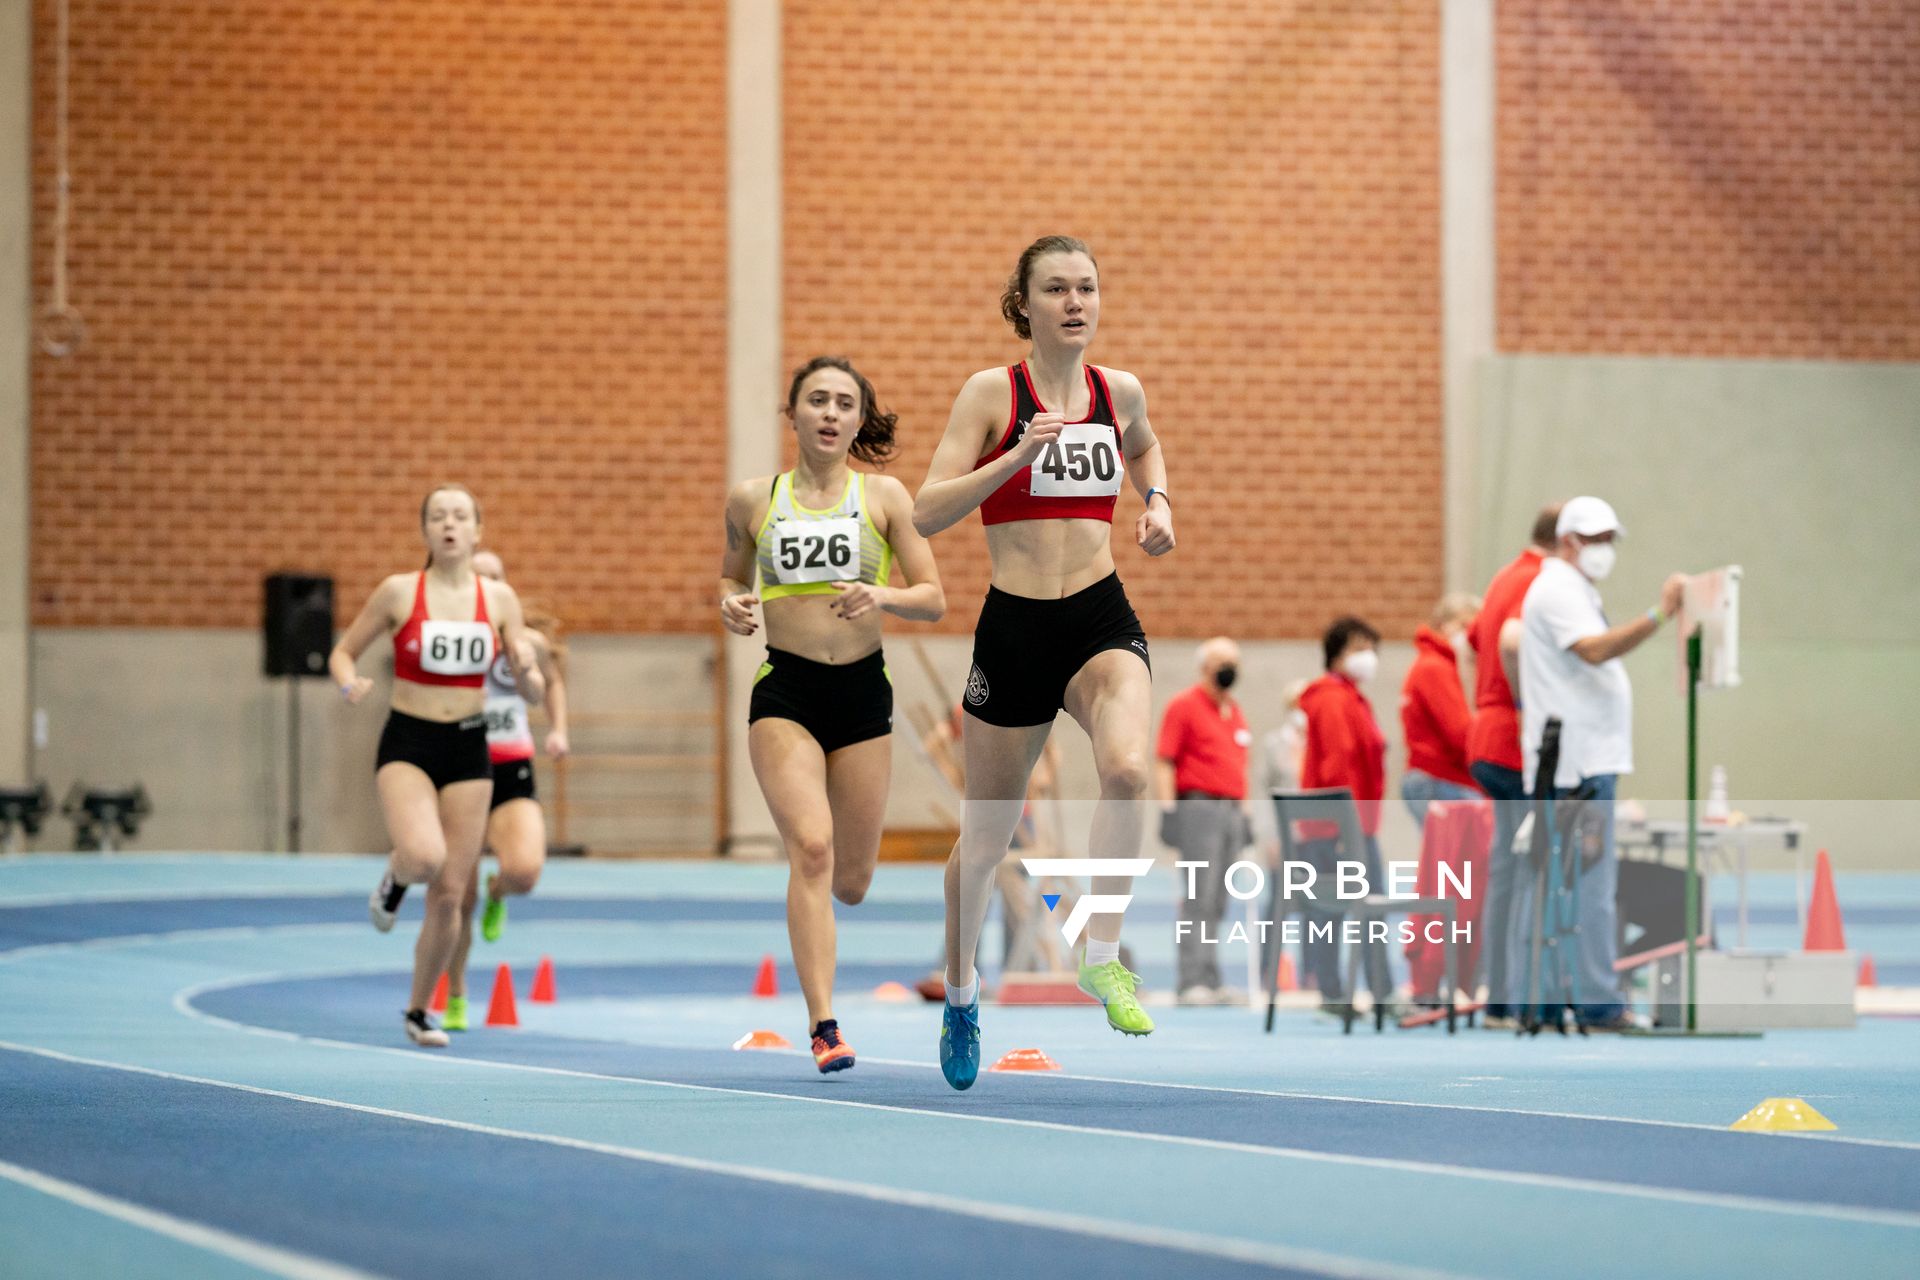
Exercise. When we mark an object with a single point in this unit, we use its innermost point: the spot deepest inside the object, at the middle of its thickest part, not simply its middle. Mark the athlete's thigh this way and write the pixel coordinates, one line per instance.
(517, 834)
(857, 781)
(792, 772)
(411, 808)
(463, 816)
(1111, 697)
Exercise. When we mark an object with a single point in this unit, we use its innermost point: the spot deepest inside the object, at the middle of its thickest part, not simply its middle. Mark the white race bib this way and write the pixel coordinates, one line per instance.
(503, 720)
(1083, 461)
(817, 550)
(455, 648)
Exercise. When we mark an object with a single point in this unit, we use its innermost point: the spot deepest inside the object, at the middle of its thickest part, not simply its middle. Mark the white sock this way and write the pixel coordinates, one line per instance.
(1099, 953)
(960, 997)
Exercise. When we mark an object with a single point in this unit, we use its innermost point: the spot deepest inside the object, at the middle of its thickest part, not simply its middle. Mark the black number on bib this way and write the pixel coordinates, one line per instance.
(1105, 466)
(839, 551)
(1051, 461)
(438, 649)
(479, 651)
(816, 553)
(790, 554)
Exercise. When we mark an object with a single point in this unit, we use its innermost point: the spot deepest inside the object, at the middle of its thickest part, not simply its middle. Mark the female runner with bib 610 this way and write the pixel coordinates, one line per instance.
(1056, 631)
(432, 769)
(822, 538)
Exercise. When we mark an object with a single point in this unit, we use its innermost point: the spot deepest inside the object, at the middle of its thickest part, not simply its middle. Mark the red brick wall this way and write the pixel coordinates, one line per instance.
(330, 254)
(1713, 178)
(1260, 184)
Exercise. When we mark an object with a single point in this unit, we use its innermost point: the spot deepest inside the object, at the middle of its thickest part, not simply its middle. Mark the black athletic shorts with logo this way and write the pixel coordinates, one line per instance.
(512, 780)
(446, 751)
(1025, 650)
(839, 705)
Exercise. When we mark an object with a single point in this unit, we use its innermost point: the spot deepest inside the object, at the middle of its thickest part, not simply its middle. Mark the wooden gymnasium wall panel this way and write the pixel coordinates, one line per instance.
(1260, 183)
(1716, 178)
(330, 254)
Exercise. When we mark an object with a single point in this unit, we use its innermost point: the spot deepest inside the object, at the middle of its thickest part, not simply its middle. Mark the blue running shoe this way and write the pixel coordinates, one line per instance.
(960, 1045)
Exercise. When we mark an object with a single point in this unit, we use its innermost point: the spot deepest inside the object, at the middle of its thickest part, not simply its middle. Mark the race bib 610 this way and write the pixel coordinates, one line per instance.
(455, 648)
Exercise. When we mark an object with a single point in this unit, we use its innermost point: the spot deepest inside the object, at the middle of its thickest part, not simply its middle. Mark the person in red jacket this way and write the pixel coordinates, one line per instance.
(1493, 746)
(1433, 710)
(1345, 748)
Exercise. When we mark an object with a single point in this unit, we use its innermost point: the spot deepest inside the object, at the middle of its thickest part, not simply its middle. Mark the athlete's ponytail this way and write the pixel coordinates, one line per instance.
(1014, 296)
(873, 443)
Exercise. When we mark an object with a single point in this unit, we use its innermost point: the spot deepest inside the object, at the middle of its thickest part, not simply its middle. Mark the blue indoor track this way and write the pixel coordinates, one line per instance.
(202, 1073)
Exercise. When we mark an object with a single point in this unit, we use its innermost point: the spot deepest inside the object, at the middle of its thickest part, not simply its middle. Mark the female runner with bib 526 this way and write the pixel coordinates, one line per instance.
(432, 769)
(1056, 631)
(823, 538)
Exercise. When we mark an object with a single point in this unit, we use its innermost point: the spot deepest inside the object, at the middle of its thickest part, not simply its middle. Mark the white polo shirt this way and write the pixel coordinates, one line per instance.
(1594, 703)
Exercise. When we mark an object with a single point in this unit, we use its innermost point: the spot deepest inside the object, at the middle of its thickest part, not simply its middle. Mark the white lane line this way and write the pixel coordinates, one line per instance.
(1257, 1253)
(183, 1003)
(254, 1253)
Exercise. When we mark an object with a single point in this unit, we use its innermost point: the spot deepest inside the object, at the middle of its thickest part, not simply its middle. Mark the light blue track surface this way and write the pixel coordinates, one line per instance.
(217, 1039)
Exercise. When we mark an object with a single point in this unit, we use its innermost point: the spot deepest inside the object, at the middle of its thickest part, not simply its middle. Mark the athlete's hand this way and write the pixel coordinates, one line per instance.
(857, 599)
(524, 657)
(737, 613)
(360, 688)
(1154, 530)
(1673, 594)
(1042, 431)
(557, 744)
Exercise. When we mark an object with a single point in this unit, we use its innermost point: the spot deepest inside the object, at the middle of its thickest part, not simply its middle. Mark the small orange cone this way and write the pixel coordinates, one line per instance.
(439, 1002)
(500, 1012)
(1825, 932)
(1288, 981)
(1868, 978)
(763, 1040)
(893, 993)
(542, 992)
(766, 983)
(1025, 1060)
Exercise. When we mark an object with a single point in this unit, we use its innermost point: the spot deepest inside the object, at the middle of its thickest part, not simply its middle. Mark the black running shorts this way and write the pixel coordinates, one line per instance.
(447, 751)
(838, 705)
(1025, 651)
(512, 780)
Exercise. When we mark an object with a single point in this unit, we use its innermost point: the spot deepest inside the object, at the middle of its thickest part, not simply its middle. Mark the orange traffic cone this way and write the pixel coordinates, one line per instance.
(1025, 1060)
(1868, 978)
(1288, 981)
(763, 1040)
(542, 992)
(501, 1013)
(439, 1002)
(766, 982)
(1824, 929)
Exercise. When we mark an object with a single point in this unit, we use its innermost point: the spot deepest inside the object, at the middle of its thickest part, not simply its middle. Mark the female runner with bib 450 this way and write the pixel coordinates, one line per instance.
(432, 769)
(823, 538)
(1056, 631)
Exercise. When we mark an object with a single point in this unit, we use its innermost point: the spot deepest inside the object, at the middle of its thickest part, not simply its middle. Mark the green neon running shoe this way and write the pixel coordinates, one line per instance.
(493, 921)
(455, 1018)
(1112, 984)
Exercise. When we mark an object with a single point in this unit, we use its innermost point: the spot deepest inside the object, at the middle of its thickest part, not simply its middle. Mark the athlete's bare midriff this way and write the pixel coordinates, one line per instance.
(807, 627)
(1049, 559)
(442, 703)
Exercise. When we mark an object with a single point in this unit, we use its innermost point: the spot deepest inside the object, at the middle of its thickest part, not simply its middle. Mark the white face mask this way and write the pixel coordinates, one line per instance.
(1361, 666)
(1596, 560)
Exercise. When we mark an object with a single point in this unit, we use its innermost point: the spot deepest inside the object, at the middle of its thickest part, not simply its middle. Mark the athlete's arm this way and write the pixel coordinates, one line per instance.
(922, 599)
(374, 621)
(557, 741)
(737, 600)
(953, 488)
(519, 645)
(1146, 464)
(1509, 646)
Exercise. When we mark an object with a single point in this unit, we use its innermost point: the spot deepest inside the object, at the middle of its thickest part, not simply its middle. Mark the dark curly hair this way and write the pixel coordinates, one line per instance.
(873, 443)
(1015, 294)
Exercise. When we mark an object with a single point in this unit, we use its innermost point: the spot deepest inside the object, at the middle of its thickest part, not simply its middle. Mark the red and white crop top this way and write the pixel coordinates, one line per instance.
(1079, 475)
(437, 651)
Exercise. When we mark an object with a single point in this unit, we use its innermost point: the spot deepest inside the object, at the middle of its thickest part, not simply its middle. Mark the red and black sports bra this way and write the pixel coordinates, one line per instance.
(1080, 474)
(441, 652)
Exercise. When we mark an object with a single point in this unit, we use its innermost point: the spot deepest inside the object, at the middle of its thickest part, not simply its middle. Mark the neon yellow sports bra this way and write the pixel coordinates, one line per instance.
(802, 551)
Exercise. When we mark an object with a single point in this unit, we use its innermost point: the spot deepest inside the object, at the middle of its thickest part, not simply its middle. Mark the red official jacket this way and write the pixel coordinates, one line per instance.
(1345, 748)
(1433, 710)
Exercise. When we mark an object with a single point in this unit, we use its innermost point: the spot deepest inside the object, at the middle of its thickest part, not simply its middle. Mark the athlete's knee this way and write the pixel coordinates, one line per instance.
(1124, 776)
(852, 889)
(444, 902)
(812, 854)
(515, 880)
(419, 861)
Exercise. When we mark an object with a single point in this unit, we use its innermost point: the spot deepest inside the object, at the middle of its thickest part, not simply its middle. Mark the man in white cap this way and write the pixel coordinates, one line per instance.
(1570, 670)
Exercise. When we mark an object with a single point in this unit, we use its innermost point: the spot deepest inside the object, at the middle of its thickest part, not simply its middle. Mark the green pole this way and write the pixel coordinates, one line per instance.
(1693, 792)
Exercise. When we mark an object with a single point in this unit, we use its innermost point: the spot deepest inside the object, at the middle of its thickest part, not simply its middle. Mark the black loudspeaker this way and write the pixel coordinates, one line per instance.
(299, 624)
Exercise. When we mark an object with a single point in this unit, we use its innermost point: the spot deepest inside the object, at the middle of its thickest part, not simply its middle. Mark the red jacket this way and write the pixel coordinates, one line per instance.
(1433, 710)
(1345, 748)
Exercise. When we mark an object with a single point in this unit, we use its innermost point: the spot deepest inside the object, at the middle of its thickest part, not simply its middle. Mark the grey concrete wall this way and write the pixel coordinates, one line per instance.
(16, 337)
(1805, 474)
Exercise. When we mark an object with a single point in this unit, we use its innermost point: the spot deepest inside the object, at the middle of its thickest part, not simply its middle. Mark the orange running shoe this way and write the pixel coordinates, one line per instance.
(830, 1052)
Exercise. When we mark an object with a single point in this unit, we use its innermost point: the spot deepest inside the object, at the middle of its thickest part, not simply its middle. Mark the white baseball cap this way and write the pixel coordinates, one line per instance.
(1589, 517)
